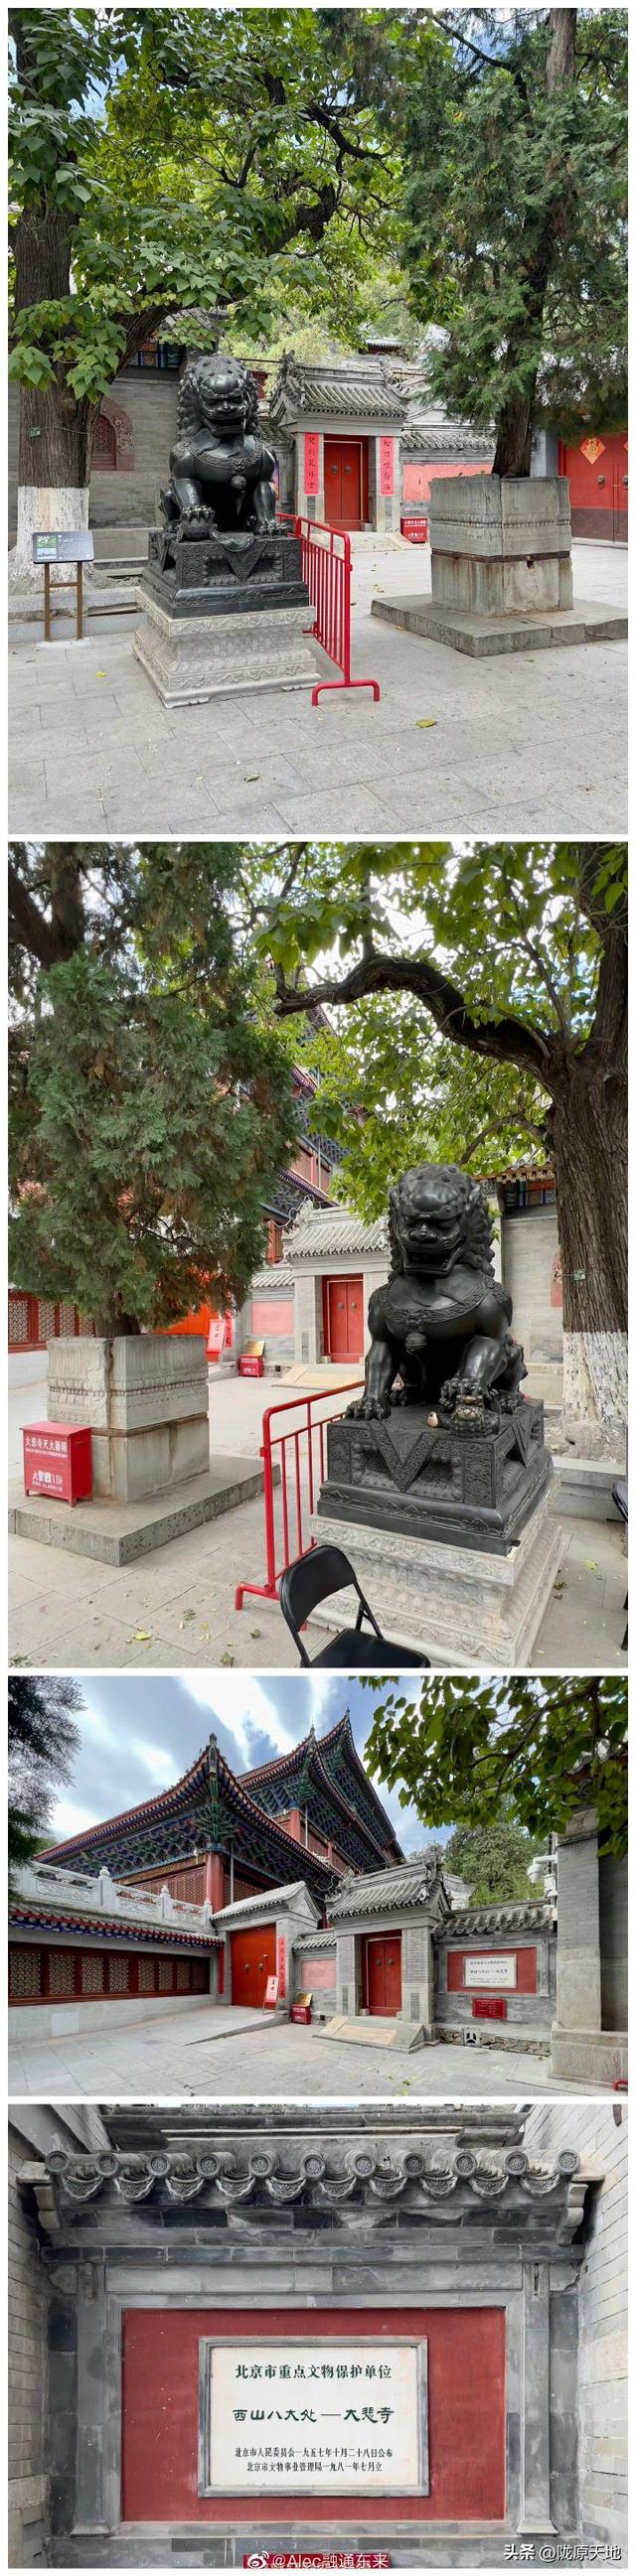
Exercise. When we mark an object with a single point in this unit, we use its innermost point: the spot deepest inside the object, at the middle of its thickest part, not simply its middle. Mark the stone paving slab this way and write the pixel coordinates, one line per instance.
(463, 630)
(176, 1606)
(121, 1533)
(278, 2061)
(539, 747)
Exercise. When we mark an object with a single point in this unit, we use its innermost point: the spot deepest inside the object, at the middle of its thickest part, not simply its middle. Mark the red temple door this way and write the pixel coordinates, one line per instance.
(345, 1319)
(253, 1961)
(384, 1973)
(343, 482)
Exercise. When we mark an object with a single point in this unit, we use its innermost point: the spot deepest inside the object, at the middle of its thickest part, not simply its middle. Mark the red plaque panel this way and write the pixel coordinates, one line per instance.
(311, 468)
(282, 1966)
(387, 466)
(160, 2404)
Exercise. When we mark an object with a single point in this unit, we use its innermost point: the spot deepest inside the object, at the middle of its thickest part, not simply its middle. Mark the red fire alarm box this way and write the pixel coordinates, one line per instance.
(490, 2008)
(58, 1460)
(251, 1363)
(416, 530)
(301, 2010)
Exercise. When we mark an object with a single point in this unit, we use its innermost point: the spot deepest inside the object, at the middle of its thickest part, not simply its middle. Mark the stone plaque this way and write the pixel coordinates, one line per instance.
(315, 2418)
(493, 1971)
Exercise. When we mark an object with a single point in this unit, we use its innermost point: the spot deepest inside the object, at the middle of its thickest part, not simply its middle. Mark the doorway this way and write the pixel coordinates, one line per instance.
(253, 1961)
(345, 459)
(344, 1318)
(384, 1974)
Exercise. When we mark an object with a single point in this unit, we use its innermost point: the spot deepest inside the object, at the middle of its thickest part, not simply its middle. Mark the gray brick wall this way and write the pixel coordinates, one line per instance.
(31, 2131)
(591, 2128)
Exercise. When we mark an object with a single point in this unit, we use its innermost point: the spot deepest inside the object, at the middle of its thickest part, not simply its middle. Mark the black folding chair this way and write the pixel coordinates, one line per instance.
(312, 1579)
(619, 1497)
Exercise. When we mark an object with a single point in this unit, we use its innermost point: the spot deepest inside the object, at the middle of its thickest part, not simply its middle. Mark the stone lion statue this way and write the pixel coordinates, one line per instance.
(441, 1326)
(221, 472)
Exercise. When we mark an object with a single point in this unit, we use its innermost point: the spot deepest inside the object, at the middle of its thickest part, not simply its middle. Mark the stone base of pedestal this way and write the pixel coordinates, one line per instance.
(526, 632)
(400, 2034)
(117, 1533)
(458, 1606)
(191, 660)
(145, 1398)
(588, 2056)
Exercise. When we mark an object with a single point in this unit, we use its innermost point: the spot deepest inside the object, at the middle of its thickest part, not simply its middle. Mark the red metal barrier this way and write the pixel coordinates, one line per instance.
(304, 1467)
(325, 555)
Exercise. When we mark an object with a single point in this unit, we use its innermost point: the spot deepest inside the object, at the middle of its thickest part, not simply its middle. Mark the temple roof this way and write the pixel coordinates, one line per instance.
(337, 1231)
(100, 1927)
(391, 1891)
(212, 1809)
(530, 1916)
(367, 387)
(330, 1763)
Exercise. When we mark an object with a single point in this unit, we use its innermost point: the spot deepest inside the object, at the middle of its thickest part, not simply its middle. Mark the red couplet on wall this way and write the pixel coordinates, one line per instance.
(311, 468)
(160, 2411)
(58, 1460)
(281, 1962)
(387, 466)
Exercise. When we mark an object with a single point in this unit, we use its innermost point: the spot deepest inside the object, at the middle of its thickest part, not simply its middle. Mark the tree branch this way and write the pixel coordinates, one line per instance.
(507, 1039)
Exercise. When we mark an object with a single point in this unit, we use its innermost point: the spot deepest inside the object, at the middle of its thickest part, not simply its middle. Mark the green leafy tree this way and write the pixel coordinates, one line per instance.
(509, 956)
(189, 160)
(516, 158)
(494, 1859)
(150, 1110)
(42, 1739)
(541, 1747)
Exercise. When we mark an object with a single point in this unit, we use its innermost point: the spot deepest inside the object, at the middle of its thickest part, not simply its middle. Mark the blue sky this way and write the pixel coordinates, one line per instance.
(140, 1731)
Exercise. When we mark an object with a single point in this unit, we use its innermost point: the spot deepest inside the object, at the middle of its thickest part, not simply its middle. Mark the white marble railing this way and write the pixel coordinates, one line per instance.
(40, 1880)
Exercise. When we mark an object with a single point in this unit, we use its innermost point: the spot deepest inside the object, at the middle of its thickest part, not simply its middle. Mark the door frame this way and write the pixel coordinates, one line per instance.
(381, 2012)
(348, 1279)
(350, 439)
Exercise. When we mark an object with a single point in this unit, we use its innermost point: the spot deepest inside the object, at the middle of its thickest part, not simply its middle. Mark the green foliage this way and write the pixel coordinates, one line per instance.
(514, 931)
(515, 216)
(42, 1739)
(540, 1746)
(185, 161)
(150, 1111)
(493, 1859)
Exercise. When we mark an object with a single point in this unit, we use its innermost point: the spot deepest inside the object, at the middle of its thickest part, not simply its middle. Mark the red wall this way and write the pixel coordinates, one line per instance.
(526, 1971)
(466, 2388)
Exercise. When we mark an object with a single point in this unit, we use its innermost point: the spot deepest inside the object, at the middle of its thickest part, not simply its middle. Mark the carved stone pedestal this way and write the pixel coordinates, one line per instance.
(460, 1606)
(468, 1483)
(224, 614)
(501, 569)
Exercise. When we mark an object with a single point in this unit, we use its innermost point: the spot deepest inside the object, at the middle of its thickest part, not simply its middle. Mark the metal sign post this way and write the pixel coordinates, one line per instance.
(64, 545)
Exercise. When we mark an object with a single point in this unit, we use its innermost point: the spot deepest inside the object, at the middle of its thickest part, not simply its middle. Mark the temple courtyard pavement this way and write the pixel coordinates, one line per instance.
(175, 1606)
(198, 2057)
(528, 742)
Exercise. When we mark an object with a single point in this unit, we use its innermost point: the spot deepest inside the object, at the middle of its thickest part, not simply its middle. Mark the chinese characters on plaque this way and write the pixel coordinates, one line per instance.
(491, 1970)
(326, 2419)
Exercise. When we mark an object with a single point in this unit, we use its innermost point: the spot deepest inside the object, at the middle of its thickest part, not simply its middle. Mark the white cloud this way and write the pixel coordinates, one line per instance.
(157, 1760)
(67, 1820)
(241, 1702)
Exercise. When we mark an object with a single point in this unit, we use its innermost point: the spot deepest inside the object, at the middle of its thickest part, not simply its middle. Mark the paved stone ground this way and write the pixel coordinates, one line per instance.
(176, 1606)
(535, 742)
(184, 2057)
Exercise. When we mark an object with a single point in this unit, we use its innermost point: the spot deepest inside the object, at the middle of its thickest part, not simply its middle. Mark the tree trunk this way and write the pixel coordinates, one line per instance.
(588, 1134)
(515, 423)
(56, 430)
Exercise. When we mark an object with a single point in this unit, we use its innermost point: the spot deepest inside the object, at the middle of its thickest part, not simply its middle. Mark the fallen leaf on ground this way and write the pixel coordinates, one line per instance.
(251, 777)
(256, 1632)
(141, 1637)
(227, 1659)
(591, 1565)
(188, 1614)
(424, 723)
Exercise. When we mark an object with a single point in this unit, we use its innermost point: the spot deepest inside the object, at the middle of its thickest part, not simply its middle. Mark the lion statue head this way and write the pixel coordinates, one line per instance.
(217, 393)
(438, 1216)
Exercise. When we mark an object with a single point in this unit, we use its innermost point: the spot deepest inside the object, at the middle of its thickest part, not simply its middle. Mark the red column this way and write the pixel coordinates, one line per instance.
(294, 1824)
(214, 1881)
